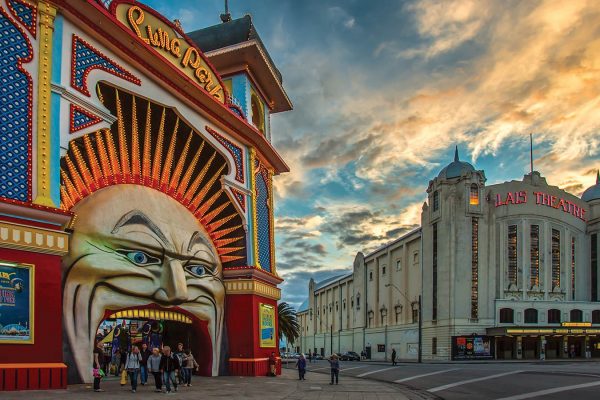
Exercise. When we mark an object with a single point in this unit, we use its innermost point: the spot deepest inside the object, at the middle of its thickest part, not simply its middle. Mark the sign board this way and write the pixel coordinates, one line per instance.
(266, 316)
(156, 32)
(472, 348)
(541, 199)
(16, 303)
(576, 324)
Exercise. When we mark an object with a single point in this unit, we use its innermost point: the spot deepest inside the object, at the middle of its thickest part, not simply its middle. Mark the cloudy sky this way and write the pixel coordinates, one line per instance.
(384, 90)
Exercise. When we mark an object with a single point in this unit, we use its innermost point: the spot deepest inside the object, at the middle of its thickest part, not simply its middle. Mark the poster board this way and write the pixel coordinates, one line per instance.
(16, 303)
(266, 315)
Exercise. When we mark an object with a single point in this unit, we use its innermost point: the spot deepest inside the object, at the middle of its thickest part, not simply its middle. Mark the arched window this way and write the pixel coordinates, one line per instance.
(596, 317)
(436, 200)
(507, 316)
(576, 316)
(531, 316)
(554, 316)
(258, 114)
(474, 195)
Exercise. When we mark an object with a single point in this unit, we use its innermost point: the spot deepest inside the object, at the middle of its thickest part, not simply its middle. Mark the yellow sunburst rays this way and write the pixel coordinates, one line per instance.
(200, 192)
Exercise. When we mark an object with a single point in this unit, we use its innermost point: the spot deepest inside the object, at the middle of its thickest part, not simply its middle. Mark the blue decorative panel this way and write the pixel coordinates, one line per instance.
(86, 58)
(15, 111)
(236, 152)
(263, 221)
(26, 14)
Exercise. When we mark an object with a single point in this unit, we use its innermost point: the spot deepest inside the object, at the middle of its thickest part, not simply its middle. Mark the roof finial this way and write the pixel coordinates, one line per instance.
(456, 154)
(227, 16)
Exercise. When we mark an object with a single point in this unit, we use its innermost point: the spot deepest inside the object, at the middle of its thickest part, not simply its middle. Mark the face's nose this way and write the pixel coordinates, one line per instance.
(173, 287)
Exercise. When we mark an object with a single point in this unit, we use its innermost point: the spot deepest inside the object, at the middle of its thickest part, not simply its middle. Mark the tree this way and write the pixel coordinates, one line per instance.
(288, 323)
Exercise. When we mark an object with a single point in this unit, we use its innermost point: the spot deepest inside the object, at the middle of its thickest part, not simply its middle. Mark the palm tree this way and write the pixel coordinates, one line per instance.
(288, 323)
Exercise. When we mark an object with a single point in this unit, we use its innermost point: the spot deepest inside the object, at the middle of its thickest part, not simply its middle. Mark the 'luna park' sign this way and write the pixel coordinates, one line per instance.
(153, 31)
(541, 199)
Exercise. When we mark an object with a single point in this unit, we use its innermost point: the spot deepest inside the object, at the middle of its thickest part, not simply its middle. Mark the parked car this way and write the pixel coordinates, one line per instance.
(350, 356)
(318, 357)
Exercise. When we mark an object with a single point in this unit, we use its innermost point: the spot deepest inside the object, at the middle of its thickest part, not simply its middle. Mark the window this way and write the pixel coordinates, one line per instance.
(371, 275)
(572, 268)
(436, 200)
(474, 268)
(594, 262)
(507, 316)
(358, 301)
(383, 270)
(534, 253)
(344, 304)
(512, 255)
(434, 345)
(474, 195)
(554, 316)
(398, 265)
(596, 317)
(555, 259)
(398, 310)
(531, 316)
(370, 318)
(576, 316)
(415, 313)
(258, 114)
(434, 275)
(416, 257)
(351, 302)
(336, 306)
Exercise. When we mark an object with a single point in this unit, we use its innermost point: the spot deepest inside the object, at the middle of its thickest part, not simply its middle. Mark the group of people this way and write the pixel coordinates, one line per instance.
(168, 368)
(334, 364)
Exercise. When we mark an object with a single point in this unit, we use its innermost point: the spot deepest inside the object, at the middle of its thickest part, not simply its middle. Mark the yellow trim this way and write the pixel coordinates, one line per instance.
(272, 222)
(576, 324)
(31, 269)
(43, 145)
(250, 286)
(38, 240)
(254, 215)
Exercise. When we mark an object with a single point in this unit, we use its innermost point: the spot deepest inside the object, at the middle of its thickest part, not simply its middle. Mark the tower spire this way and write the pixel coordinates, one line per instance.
(227, 16)
(531, 151)
(456, 153)
(597, 176)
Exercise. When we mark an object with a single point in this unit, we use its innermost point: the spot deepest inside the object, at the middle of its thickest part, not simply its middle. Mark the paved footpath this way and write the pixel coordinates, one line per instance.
(315, 387)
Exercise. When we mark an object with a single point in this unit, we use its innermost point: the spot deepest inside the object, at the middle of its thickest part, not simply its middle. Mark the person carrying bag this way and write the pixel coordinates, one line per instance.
(132, 366)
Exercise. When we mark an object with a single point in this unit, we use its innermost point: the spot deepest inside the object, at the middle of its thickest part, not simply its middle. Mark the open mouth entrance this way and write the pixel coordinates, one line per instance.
(156, 327)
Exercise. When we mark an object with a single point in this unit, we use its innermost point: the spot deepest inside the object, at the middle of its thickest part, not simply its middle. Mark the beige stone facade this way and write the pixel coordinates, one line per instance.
(514, 262)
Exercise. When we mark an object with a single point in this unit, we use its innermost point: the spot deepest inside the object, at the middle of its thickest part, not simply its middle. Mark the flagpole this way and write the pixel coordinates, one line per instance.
(531, 151)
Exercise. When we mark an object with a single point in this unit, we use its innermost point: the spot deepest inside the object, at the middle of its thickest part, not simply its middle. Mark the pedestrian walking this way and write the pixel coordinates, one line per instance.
(154, 368)
(98, 355)
(335, 368)
(301, 364)
(144, 365)
(180, 354)
(394, 357)
(272, 365)
(189, 366)
(133, 365)
(116, 361)
(169, 366)
(309, 357)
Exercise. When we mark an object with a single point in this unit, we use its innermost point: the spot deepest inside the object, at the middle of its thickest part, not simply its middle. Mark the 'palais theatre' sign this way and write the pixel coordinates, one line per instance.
(157, 33)
(541, 199)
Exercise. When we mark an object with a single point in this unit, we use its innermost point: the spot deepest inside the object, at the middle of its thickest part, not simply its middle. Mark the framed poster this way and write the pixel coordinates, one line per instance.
(472, 348)
(266, 315)
(16, 302)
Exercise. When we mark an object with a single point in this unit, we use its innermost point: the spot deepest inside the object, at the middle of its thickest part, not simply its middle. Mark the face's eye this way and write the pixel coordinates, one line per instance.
(139, 258)
(198, 270)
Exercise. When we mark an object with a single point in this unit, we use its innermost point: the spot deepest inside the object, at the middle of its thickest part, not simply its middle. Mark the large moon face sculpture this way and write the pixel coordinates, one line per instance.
(154, 229)
(136, 248)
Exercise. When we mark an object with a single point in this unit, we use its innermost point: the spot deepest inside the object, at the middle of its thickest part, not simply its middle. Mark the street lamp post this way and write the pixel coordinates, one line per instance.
(420, 319)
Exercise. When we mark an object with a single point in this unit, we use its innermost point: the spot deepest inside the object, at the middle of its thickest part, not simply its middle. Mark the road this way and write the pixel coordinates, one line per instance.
(506, 381)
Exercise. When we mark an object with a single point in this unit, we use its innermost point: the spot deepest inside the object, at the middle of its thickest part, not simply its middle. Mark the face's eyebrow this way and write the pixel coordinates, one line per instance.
(136, 217)
(198, 238)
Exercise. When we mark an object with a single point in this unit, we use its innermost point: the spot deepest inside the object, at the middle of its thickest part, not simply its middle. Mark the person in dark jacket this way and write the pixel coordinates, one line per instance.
(335, 368)
(169, 366)
(272, 365)
(394, 357)
(144, 365)
(301, 364)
